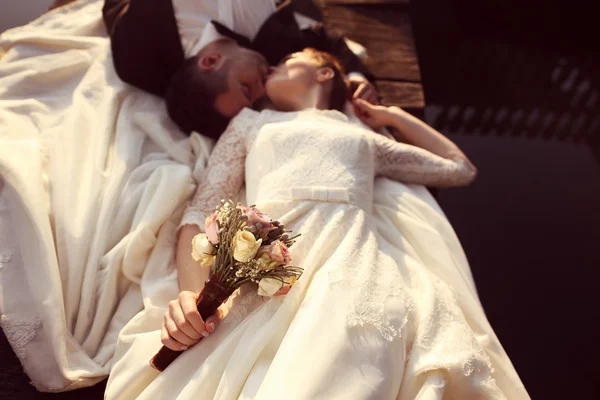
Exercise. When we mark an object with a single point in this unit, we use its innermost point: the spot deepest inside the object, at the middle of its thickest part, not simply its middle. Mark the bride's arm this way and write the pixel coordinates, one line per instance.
(411, 164)
(222, 179)
(429, 159)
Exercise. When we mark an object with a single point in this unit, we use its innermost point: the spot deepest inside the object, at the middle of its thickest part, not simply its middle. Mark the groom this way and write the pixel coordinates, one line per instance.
(208, 75)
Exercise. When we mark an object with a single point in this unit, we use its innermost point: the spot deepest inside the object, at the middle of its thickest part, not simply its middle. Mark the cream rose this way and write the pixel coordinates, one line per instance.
(245, 246)
(201, 247)
(207, 261)
(269, 287)
(203, 250)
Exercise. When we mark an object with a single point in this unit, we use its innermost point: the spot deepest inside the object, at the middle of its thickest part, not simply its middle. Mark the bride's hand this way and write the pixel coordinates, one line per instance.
(183, 326)
(374, 116)
(361, 88)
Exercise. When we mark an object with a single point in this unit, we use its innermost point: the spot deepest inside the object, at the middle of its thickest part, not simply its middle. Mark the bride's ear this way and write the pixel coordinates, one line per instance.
(325, 74)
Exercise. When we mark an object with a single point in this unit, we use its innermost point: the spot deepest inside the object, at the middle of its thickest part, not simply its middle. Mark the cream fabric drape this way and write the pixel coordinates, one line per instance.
(91, 171)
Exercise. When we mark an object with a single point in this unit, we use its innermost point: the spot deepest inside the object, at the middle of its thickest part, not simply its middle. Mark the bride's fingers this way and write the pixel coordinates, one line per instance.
(362, 105)
(373, 97)
(187, 303)
(177, 315)
(359, 110)
(211, 324)
(168, 341)
(361, 90)
(176, 333)
(213, 321)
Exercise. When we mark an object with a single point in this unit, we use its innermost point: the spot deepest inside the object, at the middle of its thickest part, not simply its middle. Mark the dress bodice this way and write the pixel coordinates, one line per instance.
(309, 155)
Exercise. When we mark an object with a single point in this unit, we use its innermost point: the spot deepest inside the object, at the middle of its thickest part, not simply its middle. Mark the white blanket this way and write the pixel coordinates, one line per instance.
(93, 179)
(91, 169)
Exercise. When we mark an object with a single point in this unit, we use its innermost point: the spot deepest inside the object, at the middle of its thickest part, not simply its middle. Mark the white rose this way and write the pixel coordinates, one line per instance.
(269, 286)
(245, 246)
(201, 247)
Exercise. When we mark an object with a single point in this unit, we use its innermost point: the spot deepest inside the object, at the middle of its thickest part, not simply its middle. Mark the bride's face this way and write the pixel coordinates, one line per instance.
(294, 76)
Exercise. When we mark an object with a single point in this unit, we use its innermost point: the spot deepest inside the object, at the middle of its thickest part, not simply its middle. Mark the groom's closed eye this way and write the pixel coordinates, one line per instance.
(247, 92)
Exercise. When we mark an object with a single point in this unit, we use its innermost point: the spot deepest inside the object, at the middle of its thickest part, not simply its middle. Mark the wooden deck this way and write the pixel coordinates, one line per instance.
(384, 28)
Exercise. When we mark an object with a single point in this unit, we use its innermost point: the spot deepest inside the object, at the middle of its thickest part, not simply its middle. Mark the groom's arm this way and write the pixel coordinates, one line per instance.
(145, 42)
(280, 35)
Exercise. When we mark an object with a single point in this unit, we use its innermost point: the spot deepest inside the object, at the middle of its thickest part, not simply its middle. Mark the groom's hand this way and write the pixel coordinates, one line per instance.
(183, 326)
(361, 88)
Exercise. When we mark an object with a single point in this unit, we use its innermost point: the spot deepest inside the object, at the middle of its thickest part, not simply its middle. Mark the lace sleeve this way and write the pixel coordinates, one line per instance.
(224, 173)
(411, 164)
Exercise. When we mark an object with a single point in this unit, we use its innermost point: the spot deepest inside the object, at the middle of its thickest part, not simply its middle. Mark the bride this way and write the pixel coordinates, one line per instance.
(364, 321)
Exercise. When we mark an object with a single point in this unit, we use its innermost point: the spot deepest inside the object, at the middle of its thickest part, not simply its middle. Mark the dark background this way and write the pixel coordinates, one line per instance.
(516, 85)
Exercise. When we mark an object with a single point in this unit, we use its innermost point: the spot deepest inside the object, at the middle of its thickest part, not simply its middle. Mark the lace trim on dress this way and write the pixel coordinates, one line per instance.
(376, 292)
(371, 295)
(245, 301)
(411, 164)
(20, 332)
(224, 174)
(5, 257)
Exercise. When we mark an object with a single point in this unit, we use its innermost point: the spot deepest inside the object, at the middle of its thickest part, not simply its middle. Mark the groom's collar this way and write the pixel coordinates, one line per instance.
(268, 37)
(284, 11)
(226, 32)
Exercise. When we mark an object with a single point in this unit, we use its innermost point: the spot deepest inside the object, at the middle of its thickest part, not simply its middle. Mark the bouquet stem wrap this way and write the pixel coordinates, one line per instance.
(209, 300)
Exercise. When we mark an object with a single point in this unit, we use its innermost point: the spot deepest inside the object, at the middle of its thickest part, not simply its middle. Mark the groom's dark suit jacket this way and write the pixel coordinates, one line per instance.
(147, 48)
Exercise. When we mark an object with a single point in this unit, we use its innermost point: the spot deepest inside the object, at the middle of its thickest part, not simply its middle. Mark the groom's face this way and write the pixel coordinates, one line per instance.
(246, 76)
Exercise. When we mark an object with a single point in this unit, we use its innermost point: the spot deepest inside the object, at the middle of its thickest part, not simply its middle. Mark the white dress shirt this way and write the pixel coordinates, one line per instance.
(242, 16)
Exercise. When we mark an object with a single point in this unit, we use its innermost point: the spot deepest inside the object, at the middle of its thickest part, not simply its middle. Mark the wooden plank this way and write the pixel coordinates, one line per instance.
(386, 33)
(401, 94)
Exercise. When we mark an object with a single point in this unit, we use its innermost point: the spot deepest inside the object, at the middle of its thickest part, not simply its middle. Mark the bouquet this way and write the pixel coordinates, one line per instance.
(241, 245)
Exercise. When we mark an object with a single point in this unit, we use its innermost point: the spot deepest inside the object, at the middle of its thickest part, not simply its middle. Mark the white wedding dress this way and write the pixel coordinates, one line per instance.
(372, 317)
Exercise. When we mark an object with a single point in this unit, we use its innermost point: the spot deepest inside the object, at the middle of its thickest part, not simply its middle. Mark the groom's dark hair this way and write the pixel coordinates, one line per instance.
(191, 95)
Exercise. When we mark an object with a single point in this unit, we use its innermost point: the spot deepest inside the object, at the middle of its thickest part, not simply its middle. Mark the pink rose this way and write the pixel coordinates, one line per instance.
(211, 227)
(255, 216)
(278, 252)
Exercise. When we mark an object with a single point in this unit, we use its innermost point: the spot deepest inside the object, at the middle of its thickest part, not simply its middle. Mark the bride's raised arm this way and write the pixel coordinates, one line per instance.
(430, 159)
(222, 179)
(411, 164)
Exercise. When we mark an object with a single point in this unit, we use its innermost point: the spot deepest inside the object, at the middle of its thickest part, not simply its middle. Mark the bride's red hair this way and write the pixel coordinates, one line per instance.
(339, 88)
